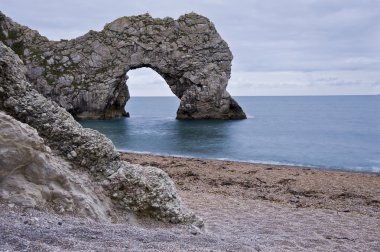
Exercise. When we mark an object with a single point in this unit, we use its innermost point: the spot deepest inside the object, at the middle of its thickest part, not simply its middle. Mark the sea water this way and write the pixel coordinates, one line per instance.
(336, 132)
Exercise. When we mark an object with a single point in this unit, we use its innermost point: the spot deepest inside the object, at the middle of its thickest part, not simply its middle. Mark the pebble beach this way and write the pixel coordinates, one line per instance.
(245, 207)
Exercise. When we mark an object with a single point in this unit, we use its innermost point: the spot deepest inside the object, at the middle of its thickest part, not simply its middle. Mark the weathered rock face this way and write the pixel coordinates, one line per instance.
(146, 190)
(87, 75)
(31, 175)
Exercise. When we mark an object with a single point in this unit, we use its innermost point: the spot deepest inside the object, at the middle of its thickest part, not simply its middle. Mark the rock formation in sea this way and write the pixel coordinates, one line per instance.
(42, 165)
(87, 75)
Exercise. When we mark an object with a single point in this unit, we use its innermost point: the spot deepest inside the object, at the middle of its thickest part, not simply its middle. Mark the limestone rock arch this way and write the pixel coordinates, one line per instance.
(87, 75)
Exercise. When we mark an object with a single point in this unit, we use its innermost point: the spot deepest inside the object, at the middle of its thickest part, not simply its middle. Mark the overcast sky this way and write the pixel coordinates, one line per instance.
(280, 47)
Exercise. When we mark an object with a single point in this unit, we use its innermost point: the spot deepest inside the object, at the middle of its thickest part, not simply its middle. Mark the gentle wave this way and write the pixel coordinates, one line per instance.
(373, 169)
(157, 154)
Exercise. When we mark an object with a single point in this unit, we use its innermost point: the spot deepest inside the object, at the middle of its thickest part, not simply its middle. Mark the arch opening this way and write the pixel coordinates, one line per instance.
(149, 94)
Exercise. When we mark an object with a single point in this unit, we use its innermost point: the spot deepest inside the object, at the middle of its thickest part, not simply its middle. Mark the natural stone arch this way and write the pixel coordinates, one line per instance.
(87, 75)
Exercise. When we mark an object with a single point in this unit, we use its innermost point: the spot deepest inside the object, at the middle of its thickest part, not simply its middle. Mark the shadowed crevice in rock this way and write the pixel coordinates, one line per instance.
(87, 75)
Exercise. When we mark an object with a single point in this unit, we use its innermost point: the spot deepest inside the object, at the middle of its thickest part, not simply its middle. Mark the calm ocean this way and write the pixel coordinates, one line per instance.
(340, 132)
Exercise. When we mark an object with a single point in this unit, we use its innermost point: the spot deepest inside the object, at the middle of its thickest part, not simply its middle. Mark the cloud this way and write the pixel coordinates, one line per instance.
(305, 83)
(271, 37)
(146, 82)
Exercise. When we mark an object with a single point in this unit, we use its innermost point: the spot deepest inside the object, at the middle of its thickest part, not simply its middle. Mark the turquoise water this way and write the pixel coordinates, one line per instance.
(339, 132)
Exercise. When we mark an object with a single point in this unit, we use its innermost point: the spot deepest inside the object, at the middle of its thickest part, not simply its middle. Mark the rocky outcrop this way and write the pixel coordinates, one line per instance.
(87, 75)
(31, 175)
(146, 190)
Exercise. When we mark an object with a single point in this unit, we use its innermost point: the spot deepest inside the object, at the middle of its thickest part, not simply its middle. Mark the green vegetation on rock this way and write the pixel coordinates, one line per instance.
(18, 48)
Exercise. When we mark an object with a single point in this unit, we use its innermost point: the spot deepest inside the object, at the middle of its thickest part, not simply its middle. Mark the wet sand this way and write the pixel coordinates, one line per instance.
(246, 207)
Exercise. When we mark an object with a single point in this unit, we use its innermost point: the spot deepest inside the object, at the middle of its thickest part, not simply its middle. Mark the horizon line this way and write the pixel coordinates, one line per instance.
(264, 95)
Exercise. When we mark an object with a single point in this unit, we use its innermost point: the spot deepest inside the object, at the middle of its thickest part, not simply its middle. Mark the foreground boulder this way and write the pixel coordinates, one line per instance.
(31, 175)
(87, 75)
(145, 190)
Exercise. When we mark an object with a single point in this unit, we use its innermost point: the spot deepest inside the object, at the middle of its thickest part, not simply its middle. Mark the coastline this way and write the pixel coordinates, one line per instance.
(65, 187)
(257, 162)
(293, 186)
